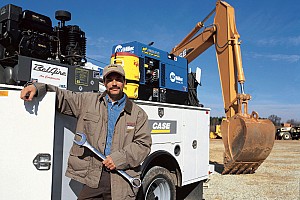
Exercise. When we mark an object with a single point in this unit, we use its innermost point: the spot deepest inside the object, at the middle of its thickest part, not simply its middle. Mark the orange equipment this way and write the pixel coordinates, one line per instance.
(248, 140)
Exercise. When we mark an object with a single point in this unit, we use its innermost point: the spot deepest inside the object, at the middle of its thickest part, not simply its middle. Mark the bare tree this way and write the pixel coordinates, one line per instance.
(293, 122)
(275, 119)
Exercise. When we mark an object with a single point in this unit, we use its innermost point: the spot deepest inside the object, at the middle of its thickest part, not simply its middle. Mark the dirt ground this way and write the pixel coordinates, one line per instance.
(277, 178)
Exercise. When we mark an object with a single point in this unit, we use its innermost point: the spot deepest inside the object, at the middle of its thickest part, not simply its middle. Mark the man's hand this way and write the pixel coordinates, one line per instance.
(27, 93)
(109, 163)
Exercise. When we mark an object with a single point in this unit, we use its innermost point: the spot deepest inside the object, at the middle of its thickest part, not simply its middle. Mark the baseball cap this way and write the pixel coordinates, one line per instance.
(113, 68)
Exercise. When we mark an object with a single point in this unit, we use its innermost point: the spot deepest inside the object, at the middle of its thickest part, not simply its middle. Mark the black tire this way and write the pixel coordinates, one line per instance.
(286, 136)
(158, 185)
(293, 130)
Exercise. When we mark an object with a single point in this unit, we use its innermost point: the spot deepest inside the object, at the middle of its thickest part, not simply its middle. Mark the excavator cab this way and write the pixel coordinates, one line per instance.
(248, 140)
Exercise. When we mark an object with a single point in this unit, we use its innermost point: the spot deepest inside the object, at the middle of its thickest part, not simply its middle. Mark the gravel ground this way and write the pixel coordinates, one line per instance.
(277, 178)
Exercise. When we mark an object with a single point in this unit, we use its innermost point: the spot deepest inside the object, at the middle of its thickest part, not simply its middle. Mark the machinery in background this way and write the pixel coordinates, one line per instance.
(288, 132)
(216, 133)
(215, 127)
(31, 49)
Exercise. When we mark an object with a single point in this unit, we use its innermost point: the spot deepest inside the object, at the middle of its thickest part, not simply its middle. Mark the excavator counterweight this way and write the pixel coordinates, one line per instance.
(248, 140)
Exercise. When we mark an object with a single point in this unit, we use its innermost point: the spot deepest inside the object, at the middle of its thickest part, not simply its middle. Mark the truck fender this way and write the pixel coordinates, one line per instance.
(163, 159)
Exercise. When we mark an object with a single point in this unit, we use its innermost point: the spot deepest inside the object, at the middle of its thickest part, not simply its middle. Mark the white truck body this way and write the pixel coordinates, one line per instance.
(32, 128)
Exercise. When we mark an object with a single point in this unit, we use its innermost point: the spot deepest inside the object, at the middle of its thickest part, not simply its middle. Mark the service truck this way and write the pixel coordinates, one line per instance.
(35, 139)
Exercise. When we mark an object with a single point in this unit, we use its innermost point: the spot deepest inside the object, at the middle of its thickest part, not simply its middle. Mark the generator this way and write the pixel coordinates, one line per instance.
(152, 74)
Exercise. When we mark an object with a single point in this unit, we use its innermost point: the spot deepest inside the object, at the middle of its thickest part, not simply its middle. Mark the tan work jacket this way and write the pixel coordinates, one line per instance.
(130, 145)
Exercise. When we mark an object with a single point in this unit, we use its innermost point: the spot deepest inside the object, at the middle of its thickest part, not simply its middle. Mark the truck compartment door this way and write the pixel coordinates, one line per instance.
(26, 146)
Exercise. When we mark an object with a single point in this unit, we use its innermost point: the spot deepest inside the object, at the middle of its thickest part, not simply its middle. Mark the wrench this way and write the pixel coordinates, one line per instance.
(135, 182)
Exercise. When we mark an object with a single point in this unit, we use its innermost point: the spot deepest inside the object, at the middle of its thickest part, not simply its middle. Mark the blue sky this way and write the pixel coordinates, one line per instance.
(269, 30)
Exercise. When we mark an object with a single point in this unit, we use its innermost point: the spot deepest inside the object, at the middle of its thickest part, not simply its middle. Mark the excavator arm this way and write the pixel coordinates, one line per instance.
(247, 139)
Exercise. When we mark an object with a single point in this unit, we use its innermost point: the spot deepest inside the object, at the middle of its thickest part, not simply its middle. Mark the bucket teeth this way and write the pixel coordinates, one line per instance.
(241, 168)
(236, 168)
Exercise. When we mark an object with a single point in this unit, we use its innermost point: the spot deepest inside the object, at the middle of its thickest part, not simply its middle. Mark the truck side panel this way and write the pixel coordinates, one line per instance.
(183, 128)
(26, 131)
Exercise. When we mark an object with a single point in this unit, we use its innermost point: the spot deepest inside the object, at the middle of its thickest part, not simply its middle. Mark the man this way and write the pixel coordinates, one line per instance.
(113, 124)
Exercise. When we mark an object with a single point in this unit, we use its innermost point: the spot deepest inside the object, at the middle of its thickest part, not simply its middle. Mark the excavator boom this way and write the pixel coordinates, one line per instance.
(247, 139)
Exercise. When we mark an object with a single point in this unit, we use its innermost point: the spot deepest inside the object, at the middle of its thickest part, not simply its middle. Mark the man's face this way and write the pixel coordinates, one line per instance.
(114, 84)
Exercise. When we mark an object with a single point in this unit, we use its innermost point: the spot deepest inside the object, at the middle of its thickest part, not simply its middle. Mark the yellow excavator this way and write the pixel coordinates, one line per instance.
(215, 130)
(248, 140)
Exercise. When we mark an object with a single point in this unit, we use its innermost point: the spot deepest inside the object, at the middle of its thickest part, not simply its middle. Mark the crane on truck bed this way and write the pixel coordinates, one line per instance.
(248, 140)
(152, 75)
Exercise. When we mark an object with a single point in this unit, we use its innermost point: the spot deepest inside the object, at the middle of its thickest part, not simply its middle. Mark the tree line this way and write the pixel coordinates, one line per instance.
(277, 121)
(273, 118)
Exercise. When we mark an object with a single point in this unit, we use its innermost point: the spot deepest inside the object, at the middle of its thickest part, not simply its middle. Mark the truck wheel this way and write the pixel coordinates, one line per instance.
(158, 184)
(292, 130)
(286, 136)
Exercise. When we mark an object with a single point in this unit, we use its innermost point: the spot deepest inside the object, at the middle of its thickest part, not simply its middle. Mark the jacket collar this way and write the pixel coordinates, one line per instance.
(128, 103)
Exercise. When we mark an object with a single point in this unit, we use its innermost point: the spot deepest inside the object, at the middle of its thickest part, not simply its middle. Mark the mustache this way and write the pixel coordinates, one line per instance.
(115, 87)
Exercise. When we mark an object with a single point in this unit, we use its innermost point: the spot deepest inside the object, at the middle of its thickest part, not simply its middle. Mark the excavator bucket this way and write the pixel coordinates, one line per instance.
(248, 141)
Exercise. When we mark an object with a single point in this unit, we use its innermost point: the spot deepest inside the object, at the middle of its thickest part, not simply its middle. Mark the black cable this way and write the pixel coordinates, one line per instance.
(97, 61)
(192, 90)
